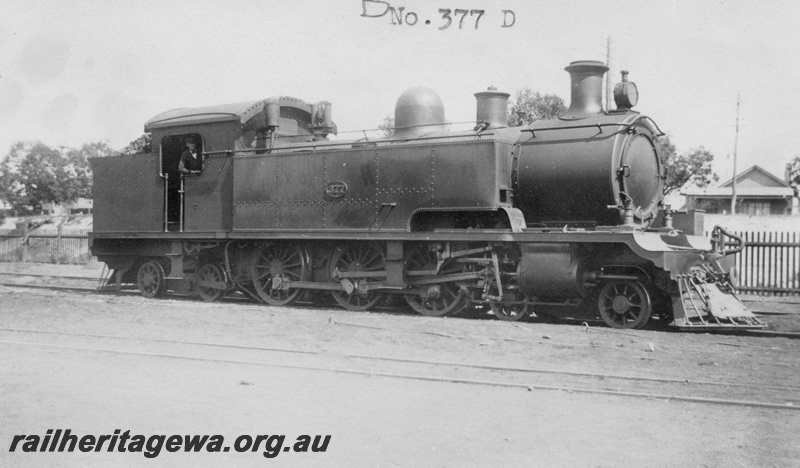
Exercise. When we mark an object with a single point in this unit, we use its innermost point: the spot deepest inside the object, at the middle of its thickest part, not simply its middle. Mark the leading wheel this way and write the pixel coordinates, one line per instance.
(624, 304)
(364, 258)
(438, 300)
(150, 279)
(276, 263)
(211, 273)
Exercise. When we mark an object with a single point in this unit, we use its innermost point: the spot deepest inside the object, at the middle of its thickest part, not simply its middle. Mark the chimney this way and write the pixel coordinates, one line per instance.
(492, 107)
(587, 88)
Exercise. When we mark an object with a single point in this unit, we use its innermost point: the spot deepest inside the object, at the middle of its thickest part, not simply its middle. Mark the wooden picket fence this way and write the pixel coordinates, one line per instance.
(56, 246)
(769, 263)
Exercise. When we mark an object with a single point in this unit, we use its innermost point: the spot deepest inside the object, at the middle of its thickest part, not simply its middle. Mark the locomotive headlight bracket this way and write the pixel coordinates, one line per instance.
(626, 94)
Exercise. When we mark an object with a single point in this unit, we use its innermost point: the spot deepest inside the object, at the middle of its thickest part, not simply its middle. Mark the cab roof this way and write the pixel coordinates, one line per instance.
(239, 112)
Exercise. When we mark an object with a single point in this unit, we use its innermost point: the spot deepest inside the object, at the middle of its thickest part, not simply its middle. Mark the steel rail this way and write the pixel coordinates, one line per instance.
(94, 290)
(417, 361)
(529, 387)
(11, 273)
(44, 286)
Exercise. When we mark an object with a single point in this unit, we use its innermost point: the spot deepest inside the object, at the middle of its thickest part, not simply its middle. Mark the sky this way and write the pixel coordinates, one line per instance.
(80, 71)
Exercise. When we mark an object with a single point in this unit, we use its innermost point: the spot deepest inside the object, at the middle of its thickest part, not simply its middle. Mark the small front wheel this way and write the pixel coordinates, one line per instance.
(150, 279)
(624, 304)
(511, 312)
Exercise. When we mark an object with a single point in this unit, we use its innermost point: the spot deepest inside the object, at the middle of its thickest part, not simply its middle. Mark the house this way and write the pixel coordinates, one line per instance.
(758, 193)
(81, 205)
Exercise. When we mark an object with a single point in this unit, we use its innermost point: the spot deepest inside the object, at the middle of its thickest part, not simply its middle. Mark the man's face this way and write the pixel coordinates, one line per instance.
(190, 145)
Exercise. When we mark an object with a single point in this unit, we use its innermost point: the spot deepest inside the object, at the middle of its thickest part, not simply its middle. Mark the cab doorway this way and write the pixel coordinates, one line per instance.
(172, 147)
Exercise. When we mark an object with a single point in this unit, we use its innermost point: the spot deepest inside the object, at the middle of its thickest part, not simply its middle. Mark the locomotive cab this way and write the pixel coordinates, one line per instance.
(200, 203)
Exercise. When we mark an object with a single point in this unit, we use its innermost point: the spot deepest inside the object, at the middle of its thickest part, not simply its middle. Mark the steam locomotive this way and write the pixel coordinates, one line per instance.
(546, 218)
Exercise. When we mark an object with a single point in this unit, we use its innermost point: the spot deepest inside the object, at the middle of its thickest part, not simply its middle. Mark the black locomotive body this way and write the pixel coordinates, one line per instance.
(559, 214)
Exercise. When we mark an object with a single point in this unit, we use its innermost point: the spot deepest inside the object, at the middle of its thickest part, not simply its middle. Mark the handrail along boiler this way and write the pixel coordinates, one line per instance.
(547, 217)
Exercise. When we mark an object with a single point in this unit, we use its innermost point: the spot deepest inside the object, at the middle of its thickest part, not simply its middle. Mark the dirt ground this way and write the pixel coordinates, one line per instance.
(391, 389)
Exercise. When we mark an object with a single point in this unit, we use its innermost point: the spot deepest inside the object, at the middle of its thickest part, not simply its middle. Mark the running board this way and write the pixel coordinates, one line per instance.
(702, 306)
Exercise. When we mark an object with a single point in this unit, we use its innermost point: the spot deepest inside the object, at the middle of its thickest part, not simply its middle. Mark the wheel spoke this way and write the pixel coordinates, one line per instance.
(371, 261)
(265, 275)
(293, 274)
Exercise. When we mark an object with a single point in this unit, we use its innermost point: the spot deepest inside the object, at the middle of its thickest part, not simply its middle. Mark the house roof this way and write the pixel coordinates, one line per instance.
(754, 182)
(758, 175)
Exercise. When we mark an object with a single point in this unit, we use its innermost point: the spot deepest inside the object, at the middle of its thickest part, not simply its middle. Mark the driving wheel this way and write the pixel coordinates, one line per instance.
(276, 263)
(211, 273)
(437, 300)
(362, 257)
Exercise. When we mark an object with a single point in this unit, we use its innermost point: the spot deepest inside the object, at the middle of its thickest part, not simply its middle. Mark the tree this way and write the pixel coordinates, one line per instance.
(33, 174)
(78, 171)
(793, 174)
(143, 144)
(530, 106)
(387, 126)
(11, 189)
(693, 167)
(29, 174)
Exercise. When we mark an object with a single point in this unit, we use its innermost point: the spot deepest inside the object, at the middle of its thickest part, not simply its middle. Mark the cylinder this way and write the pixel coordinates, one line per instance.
(550, 270)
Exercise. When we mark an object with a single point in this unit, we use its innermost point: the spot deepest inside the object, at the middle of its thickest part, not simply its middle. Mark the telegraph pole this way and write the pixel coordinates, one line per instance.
(608, 74)
(735, 148)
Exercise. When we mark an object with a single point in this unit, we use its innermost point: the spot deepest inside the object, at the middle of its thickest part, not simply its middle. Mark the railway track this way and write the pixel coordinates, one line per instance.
(524, 378)
(94, 282)
(92, 287)
(91, 283)
(40, 275)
